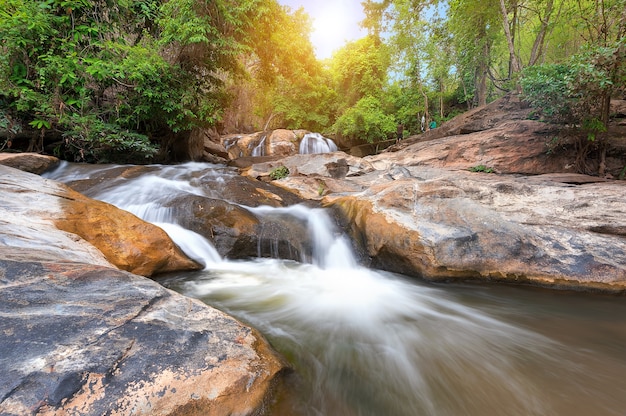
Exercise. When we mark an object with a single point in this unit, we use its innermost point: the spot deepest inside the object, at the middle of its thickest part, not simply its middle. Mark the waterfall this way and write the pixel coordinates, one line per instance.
(316, 143)
(369, 343)
(259, 150)
(148, 195)
(330, 248)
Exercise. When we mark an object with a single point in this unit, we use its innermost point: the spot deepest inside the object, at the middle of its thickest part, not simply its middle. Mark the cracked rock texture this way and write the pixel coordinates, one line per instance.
(79, 336)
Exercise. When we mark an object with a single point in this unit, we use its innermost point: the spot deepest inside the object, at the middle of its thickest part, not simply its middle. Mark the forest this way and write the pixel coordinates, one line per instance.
(129, 80)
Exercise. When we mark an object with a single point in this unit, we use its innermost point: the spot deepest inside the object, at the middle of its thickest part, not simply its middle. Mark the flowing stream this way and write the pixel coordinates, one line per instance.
(367, 342)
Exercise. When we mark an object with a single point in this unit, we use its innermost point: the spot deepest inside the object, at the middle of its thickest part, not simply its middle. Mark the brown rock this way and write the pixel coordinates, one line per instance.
(243, 146)
(29, 162)
(125, 240)
(282, 143)
(332, 165)
(511, 147)
(439, 224)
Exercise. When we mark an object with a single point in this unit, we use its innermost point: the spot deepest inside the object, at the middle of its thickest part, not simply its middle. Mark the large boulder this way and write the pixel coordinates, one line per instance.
(282, 142)
(92, 340)
(519, 147)
(335, 165)
(80, 336)
(508, 108)
(440, 225)
(48, 206)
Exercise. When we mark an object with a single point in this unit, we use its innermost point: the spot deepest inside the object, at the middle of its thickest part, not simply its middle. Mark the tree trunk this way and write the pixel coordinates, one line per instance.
(537, 49)
(426, 112)
(441, 99)
(269, 120)
(514, 66)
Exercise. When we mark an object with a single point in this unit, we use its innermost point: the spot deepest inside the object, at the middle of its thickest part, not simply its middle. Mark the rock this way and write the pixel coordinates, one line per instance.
(230, 228)
(82, 337)
(213, 150)
(505, 109)
(34, 208)
(86, 339)
(332, 165)
(29, 162)
(237, 233)
(441, 225)
(272, 143)
(316, 187)
(282, 142)
(243, 146)
(234, 231)
(618, 108)
(512, 147)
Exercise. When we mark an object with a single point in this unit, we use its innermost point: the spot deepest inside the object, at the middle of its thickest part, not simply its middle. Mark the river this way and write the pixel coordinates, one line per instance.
(365, 342)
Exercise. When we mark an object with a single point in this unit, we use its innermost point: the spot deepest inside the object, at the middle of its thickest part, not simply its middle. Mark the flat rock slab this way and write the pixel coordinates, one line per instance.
(91, 340)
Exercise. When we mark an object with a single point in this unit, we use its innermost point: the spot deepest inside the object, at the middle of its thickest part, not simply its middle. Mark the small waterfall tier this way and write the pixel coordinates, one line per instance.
(316, 143)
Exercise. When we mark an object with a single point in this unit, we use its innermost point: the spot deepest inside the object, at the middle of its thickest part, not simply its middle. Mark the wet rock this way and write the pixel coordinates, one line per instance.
(237, 233)
(79, 336)
(86, 339)
(34, 209)
(332, 165)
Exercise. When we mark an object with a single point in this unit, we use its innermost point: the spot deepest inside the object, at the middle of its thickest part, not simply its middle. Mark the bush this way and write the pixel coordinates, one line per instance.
(279, 173)
(547, 90)
(366, 121)
(578, 93)
(481, 168)
(88, 139)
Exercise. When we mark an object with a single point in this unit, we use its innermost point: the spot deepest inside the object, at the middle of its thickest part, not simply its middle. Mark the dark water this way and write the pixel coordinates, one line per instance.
(370, 343)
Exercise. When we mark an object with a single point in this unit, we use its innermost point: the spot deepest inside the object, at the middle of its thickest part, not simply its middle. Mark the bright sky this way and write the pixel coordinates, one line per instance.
(334, 22)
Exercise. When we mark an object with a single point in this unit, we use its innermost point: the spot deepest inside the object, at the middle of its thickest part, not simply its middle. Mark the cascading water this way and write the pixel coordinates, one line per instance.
(259, 150)
(316, 143)
(364, 342)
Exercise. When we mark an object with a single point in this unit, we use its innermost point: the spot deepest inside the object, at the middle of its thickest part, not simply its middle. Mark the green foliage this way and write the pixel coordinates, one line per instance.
(111, 74)
(129, 76)
(359, 69)
(577, 91)
(547, 90)
(89, 139)
(481, 168)
(285, 86)
(280, 172)
(366, 121)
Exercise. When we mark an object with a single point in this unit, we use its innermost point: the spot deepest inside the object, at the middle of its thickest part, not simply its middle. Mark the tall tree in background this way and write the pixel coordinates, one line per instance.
(359, 71)
(475, 27)
(118, 77)
(284, 84)
(578, 91)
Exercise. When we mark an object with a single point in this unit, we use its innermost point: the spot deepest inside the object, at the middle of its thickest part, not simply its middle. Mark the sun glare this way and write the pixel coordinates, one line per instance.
(333, 26)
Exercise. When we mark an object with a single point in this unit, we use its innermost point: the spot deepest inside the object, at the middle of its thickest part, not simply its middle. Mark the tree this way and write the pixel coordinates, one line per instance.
(365, 120)
(292, 88)
(579, 91)
(359, 69)
(118, 77)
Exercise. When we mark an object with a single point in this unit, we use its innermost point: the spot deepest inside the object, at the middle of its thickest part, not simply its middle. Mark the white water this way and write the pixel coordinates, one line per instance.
(366, 342)
(260, 149)
(316, 143)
